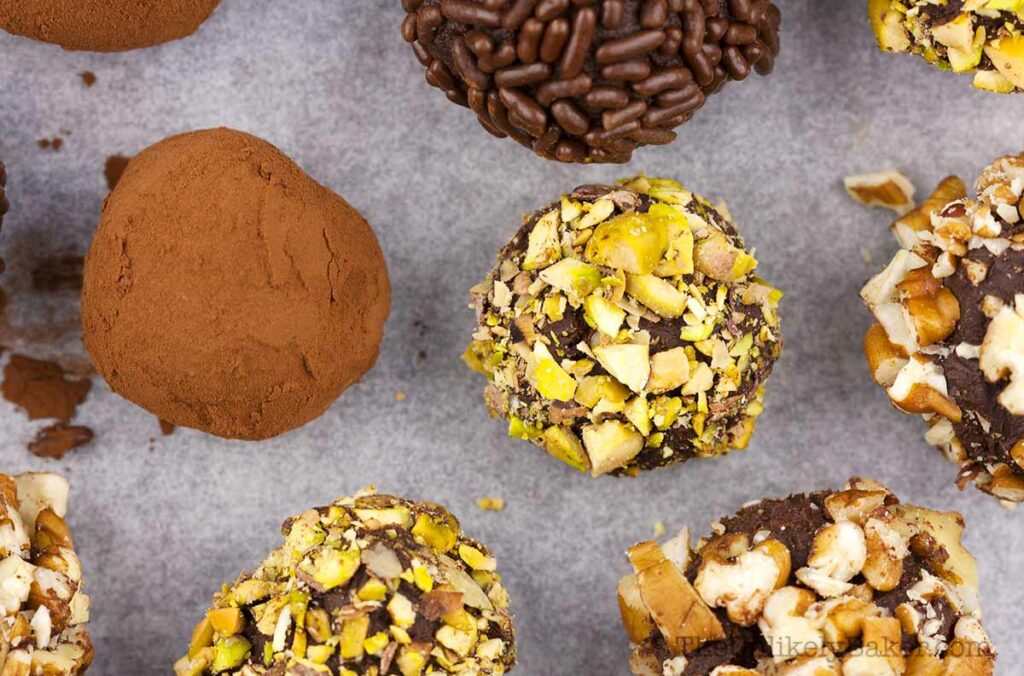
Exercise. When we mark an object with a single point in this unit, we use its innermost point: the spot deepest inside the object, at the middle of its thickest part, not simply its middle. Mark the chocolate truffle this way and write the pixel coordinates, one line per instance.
(44, 610)
(228, 291)
(589, 81)
(949, 342)
(624, 329)
(830, 583)
(983, 37)
(371, 584)
(104, 25)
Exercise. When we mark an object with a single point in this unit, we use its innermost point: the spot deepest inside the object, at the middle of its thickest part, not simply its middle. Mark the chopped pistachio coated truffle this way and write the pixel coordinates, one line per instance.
(949, 341)
(984, 37)
(43, 610)
(624, 329)
(369, 585)
(834, 583)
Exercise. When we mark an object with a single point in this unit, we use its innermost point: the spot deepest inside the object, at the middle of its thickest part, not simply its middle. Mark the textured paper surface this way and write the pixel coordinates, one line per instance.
(161, 524)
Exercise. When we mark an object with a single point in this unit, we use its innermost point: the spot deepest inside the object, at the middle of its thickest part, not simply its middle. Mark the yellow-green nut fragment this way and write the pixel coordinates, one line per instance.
(623, 328)
(369, 585)
(983, 37)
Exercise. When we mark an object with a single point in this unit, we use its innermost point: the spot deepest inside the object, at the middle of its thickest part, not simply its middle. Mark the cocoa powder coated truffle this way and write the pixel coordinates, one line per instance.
(589, 81)
(834, 583)
(624, 329)
(228, 291)
(949, 341)
(369, 585)
(104, 25)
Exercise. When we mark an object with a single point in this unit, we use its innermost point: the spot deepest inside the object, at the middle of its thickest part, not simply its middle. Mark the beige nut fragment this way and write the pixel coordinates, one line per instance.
(920, 387)
(844, 621)
(837, 556)
(887, 547)
(680, 614)
(884, 359)
(855, 504)
(1002, 354)
(743, 583)
(933, 308)
(636, 618)
(907, 227)
(890, 189)
(786, 627)
(881, 653)
(940, 543)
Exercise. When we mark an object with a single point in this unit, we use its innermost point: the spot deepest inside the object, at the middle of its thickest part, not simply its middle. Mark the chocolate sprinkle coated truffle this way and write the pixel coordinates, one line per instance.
(43, 610)
(366, 586)
(589, 80)
(830, 583)
(949, 342)
(623, 329)
(984, 37)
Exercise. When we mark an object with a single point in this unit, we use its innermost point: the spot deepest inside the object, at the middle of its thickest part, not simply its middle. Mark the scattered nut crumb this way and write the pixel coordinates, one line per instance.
(659, 529)
(491, 504)
(400, 396)
(55, 144)
(88, 78)
(890, 189)
(869, 259)
(56, 440)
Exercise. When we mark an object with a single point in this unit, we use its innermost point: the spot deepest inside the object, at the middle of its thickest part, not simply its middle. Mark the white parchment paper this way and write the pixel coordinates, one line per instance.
(160, 524)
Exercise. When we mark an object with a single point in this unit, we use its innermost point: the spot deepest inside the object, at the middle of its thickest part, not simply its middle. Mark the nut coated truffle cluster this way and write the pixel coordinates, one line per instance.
(949, 341)
(846, 583)
(624, 329)
(367, 586)
(589, 80)
(983, 37)
(43, 610)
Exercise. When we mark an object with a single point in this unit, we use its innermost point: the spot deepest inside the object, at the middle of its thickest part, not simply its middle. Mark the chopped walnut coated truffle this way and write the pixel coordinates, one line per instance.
(984, 37)
(367, 586)
(624, 329)
(43, 610)
(840, 583)
(949, 342)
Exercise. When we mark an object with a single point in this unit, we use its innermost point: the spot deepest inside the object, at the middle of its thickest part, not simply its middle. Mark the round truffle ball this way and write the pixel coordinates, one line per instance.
(949, 342)
(228, 291)
(962, 37)
(372, 584)
(589, 81)
(104, 25)
(828, 583)
(623, 329)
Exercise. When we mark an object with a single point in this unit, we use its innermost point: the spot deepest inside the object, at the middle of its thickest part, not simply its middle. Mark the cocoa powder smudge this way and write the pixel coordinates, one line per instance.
(42, 388)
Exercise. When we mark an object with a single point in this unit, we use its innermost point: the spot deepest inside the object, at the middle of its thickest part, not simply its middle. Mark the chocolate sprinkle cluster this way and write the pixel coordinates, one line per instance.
(367, 586)
(589, 80)
(949, 342)
(624, 329)
(830, 583)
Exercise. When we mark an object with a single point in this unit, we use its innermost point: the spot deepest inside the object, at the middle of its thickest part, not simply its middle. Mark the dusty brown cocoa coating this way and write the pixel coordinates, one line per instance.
(589, 81)
(228, 291)
(104, 25)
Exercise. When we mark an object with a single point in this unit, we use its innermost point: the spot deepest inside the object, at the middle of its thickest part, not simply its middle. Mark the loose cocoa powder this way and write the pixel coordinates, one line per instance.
(42, 388)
